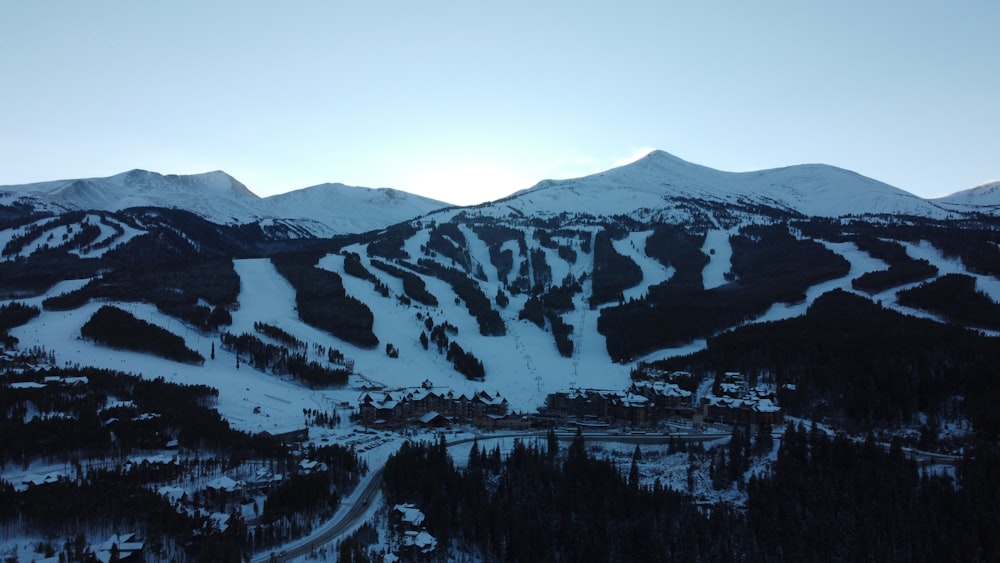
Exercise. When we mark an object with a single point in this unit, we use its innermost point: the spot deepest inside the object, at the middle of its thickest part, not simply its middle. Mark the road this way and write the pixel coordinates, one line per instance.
(362, 500)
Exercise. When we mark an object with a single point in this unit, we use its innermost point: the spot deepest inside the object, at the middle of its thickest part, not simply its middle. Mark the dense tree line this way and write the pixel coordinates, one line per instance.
(562, 332)
(903, 269)
(538, 505)
(465, 362)
(103, 499)
(495, 235)
(311, 496)
(75, 418)
(117, 328)
(673, 246)
(439, 334)
(478, 305)
(533, 311)
(413, 285)
(280, 335)
(354, 267)
(826, 498)
(831, 499)
(559, 298)
(281, 361)
(176, 289)
(862, 365)
(38, 273)
(322, 301)
(170, 239)
(448, 240)
(769, 266)
(613, 272)
(975, 243)
(547, 240)
(389, 243)
(68, 221)
(955, 297)
(978, 249)
(12, 315)
(17, 214)
(541, 272)
(302, 497)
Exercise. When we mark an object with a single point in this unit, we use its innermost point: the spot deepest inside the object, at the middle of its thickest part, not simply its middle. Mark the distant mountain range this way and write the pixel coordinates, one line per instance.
(659, 187)
(656, 185)
(659, 296)
(636, 262)
(318, 211)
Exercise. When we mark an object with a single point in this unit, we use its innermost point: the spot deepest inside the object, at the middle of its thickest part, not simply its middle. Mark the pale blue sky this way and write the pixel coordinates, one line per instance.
(470, 101)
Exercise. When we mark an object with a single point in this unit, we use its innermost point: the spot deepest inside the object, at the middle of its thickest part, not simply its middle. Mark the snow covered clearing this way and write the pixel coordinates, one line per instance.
(720, 255)
(653, 273)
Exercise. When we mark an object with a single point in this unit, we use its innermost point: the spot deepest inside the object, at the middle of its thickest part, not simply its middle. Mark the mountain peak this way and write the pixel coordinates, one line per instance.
(985, 196)
(661, 184)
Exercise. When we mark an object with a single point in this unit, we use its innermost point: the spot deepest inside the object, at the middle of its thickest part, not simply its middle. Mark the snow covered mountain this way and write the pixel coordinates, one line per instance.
(663, 187)
(348, 209)
(658, 187)
(216, 196)
(318, 211)
(564, 292)
(563, 283)
(984, 198)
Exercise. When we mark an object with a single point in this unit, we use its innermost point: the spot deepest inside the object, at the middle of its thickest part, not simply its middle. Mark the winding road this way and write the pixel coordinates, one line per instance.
(366, 496)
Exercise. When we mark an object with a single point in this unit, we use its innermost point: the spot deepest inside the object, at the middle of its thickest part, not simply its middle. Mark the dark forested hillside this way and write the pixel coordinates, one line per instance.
(114, 327)
(176, 288)
(854, 362)
(323, 302)
(768, 266)
(613, 273)
(825, 499)
(955, 297)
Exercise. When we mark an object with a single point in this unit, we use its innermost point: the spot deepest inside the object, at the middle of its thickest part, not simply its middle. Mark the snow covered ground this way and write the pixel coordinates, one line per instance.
(524, 366)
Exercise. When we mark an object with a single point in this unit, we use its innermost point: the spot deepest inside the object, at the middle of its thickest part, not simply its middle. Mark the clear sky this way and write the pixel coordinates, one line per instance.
(468, 101)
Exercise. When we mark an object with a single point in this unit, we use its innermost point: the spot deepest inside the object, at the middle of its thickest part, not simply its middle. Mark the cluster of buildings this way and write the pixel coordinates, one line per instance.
(736, 402)
(647, 401)
(430, 405)
(408, 521)
(639, 405)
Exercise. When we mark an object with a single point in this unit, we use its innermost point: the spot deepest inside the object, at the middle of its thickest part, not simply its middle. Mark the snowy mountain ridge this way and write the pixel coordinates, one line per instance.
(659, 186)
(983, 198)
(318, 211)
(656, 183)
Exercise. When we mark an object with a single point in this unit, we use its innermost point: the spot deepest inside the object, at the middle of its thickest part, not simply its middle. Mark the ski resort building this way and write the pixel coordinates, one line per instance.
(600, 404)
(410, 405)
(736, 402)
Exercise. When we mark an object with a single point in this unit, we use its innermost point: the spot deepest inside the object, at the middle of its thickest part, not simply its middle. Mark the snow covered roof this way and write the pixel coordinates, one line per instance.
(389, 399)
(224, 484)
(27, 385)
(430, 416)
(126, 545)
(80, 380)
(410, 514)
(35, 479)
(421, 540)
(172, 494)
(634, 400)
(766, 405)
(662, 388)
